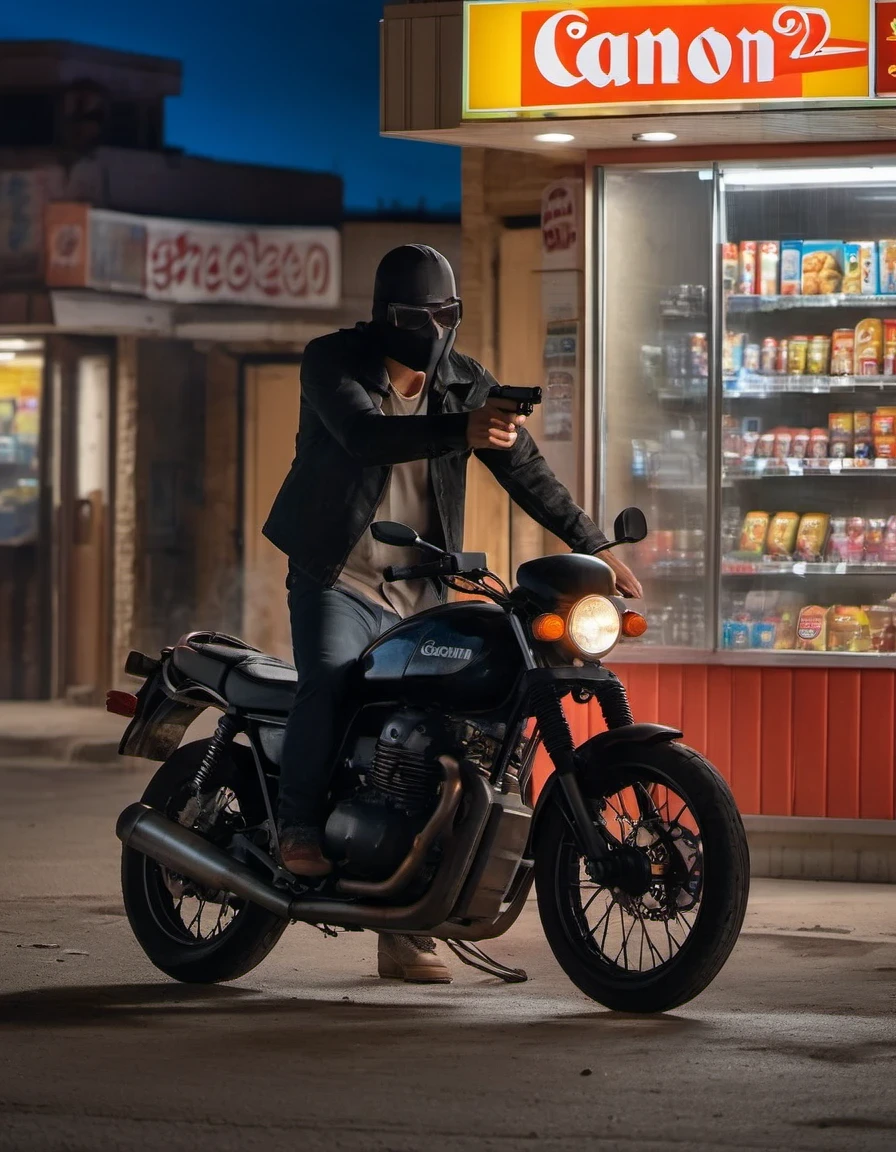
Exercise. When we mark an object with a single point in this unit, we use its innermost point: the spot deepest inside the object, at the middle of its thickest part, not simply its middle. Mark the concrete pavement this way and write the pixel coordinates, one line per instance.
(793, 1047)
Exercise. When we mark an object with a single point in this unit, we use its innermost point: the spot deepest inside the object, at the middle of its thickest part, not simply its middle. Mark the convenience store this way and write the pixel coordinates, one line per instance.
(717, 148)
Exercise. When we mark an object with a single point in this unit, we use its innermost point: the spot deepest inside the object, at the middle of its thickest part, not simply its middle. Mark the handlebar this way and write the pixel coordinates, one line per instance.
(413, 571)
(449, 564)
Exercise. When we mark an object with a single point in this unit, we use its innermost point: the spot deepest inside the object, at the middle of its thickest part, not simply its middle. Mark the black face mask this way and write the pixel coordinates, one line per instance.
(416, 276)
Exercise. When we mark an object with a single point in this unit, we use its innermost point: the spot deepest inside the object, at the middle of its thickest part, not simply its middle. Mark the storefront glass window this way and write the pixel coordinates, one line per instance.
(808, 522)
(21, 373)
(657, 229)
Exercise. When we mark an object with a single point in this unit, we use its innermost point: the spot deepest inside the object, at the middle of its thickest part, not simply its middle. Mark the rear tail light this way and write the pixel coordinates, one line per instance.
(633, 624)
(121, 703)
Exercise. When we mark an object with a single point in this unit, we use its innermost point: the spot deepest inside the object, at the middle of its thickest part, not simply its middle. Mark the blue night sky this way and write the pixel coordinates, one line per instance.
(287, 82)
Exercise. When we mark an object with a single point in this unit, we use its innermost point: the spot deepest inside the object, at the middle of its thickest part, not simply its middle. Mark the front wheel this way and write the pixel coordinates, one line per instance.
(192, 934)
(661, 939)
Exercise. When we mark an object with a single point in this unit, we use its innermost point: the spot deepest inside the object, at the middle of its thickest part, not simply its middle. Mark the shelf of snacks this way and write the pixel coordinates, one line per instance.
(736, 566)
(748, 385)
(751, 303)
(792, 469)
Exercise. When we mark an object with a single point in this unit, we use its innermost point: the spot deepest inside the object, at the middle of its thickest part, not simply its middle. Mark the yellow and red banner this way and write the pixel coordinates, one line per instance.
(546, 57)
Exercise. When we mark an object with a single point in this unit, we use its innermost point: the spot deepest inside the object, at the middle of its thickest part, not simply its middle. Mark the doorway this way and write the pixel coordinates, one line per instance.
(82, 514)
(271, 419)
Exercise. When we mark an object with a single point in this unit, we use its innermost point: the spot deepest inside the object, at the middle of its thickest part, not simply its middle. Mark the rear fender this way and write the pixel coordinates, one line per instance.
(159, 724)
(593, 751)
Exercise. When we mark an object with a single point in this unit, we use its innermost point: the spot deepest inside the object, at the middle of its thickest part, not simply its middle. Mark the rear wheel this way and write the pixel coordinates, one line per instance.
(661, 937)
(190, 933)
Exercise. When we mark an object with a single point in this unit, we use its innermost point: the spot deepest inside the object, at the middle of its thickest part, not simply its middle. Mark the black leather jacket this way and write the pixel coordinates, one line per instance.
(345, 447)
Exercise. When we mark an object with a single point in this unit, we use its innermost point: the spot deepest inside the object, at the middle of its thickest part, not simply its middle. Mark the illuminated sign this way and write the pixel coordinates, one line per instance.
(532, 59)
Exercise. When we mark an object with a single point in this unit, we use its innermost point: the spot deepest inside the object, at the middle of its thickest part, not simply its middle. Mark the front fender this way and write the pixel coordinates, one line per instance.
(595, 748)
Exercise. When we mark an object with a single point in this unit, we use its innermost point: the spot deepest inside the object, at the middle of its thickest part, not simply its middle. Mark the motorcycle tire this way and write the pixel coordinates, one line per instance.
(713, 860)
(151, 905)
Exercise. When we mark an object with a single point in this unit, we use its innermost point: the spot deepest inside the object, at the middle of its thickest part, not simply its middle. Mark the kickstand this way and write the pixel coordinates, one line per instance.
(470, 954)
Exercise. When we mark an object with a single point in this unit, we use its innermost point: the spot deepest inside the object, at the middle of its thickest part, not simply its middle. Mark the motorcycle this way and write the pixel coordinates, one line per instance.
(635, 846)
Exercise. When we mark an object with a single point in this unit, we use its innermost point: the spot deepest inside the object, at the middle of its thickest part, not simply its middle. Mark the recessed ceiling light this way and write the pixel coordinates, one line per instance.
(655, 137)
(554, 138)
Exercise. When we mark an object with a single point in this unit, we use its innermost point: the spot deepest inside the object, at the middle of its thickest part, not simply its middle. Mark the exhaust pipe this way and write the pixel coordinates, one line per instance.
(149, 831)
(182, 850)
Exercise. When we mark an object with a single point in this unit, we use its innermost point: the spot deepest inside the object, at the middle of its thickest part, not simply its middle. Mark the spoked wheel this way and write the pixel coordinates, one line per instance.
(659, 934)
(188, 931)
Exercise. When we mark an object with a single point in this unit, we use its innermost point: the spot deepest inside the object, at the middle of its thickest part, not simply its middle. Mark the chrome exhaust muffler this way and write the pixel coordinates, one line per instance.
(168, 843)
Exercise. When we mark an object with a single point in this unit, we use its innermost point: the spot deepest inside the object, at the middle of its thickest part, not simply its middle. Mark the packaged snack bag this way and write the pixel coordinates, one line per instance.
(849, 629)
(837, 551)
(887, 267)
(889, 347)
(819, 444)
(860, 268)
(753, 533)
(841, 422)
(730, 268)
(855, 539)
(769, 258)
(785, 632)
(799, 448)
(797, 355)
(843, 352)
(862, 424)
(822, 267)
(883, 423)
(889, 549)
(782, 530)
(869, 349)
(812, 536)
(869, 268)
(885, 447)
(747, 281)
(812, 629)
(783, 443)
(852, 269)
(874, 540)
(791, 268)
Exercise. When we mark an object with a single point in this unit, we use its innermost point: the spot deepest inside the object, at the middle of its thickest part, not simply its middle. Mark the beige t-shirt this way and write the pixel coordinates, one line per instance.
(407, 501)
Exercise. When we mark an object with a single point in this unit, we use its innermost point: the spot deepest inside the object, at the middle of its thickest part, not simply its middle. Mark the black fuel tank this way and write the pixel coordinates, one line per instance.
(463, 657)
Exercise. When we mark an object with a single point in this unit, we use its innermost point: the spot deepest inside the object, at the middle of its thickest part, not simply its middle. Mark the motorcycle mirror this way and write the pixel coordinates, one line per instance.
(630, 526)
(398, 535)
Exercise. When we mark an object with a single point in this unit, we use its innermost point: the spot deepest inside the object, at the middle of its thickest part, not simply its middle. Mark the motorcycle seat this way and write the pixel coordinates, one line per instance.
(235, 671)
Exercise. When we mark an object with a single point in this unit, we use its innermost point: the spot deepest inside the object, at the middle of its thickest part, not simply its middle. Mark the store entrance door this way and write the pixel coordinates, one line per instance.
(83, 522)
(271, 407)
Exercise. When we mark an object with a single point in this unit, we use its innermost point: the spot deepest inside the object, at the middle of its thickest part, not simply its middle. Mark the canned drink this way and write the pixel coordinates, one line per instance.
(782, 360)
(752, 357)
(769, 359)
(818, 359)
(797, 355)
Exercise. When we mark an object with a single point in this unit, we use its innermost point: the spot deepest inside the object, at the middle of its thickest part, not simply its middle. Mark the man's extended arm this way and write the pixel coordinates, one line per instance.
(351, 417)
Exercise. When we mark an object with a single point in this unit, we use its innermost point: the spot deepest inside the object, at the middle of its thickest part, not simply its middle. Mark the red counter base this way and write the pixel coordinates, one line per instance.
(791, 741)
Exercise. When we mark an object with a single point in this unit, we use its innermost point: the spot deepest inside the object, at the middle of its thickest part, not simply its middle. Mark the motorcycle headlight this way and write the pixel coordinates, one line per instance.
(594, 626)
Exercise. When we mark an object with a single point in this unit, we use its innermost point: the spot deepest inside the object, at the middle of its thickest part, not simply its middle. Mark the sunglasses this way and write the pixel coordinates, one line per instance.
(412, 319)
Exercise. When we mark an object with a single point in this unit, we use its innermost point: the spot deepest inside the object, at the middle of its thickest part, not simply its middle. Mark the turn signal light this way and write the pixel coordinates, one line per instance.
(550, 627)
(121, 703)
(633, 624)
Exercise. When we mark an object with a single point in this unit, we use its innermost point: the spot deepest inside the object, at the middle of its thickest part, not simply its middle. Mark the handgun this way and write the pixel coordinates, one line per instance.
(524, 398)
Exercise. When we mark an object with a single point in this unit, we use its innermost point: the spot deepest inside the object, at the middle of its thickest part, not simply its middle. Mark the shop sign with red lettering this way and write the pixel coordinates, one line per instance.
(546, 57)
(205, 263)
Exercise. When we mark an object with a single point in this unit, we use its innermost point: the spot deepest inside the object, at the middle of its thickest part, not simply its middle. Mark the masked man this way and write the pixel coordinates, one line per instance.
(389, 415)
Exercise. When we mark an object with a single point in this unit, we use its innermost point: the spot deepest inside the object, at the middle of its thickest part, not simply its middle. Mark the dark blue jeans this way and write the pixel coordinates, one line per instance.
(330, 630)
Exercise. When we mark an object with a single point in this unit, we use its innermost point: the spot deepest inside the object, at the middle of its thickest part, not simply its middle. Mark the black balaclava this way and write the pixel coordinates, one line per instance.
(416, 275)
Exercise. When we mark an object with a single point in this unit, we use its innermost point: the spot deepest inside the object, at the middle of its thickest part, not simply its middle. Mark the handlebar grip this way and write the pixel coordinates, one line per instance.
(399, 572)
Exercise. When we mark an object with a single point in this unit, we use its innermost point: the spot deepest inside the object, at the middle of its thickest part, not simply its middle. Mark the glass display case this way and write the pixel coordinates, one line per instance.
(762, 440)
(655, 373)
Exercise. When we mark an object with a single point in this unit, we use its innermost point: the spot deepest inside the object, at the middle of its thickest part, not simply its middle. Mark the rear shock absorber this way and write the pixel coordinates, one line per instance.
(228, 727)
(614, 704)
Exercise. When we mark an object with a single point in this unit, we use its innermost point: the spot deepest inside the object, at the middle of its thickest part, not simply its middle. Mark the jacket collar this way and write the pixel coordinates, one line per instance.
(454, 376)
